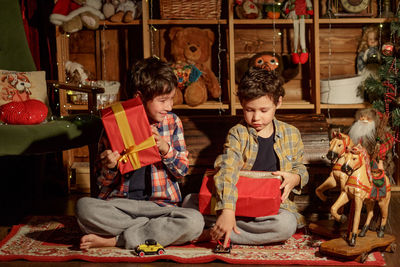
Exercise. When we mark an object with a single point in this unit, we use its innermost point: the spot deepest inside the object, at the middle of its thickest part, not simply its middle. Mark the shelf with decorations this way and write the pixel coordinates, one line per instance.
(354, 20)
(187, 22)
(341, 51)
(234, 35)
(105, 53)
(110, 24)
(266, 21)
(157, 27)
(249, 37)
(335, 56)
(345, 106)
(339, 36)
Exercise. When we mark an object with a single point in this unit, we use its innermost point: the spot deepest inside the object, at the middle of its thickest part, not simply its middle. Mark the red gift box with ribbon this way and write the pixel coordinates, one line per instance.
(129, 133)
(258, 194)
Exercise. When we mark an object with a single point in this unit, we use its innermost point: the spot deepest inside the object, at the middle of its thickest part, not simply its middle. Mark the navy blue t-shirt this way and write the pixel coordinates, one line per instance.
(139, 183)
(266, 160)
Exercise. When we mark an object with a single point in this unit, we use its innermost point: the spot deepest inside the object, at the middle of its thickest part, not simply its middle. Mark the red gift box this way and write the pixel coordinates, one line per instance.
(258, 194)
(129, 132)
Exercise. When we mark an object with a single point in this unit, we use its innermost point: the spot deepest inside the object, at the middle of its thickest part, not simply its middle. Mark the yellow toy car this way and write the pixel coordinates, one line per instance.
(149, 247)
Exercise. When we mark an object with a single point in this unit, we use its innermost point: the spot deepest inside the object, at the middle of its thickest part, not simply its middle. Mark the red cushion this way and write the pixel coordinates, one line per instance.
(30, 111)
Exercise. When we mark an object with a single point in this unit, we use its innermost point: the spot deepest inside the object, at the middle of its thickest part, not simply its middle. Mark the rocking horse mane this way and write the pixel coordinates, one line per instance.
(341, 136)
(359, 150)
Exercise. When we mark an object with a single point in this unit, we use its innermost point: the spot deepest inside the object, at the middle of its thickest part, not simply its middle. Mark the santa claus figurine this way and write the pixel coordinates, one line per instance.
(371, 131)
(72, 15)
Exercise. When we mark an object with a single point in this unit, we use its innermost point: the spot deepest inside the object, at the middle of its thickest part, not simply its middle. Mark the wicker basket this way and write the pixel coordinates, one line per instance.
(190, 9)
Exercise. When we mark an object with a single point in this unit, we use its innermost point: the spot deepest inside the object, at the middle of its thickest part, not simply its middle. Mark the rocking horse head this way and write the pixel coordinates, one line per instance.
(338, 145)
(356, 157)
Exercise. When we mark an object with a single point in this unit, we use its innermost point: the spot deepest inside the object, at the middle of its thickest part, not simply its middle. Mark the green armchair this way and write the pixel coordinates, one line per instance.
(31, 165)
(61, 133)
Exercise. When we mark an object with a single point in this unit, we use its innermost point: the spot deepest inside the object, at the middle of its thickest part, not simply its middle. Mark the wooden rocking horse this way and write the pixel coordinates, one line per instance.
(338, 146)
(363, 185)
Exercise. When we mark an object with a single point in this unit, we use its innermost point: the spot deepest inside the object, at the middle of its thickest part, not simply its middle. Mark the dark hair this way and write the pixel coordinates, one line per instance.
(258, 82)
(152, 77)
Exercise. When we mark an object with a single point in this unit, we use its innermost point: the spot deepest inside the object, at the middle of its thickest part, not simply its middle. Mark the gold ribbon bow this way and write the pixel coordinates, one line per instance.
(131, 151)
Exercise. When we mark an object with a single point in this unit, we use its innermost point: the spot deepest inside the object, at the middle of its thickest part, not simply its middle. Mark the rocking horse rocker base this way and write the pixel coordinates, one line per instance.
(339, 247)
(328, 228)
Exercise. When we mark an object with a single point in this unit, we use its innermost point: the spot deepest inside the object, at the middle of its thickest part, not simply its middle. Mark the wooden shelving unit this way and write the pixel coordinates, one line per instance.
(266, 21)
(187, 22)
(305, 89)
(354, 20)
(314, 26)
(344, 106)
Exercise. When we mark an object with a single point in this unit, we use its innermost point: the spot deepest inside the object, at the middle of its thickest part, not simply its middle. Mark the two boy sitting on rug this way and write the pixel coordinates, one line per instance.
(143, 204)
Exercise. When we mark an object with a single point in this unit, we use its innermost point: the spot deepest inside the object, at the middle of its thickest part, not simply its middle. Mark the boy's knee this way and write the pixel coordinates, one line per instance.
(288, 224)
(194, 221)
(84, 207)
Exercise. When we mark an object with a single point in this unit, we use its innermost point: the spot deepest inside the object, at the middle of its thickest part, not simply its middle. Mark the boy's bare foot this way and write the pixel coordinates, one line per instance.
(95, 241)
(204, 237)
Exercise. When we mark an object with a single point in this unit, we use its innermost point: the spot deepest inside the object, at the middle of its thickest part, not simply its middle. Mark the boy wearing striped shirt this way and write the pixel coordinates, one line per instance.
(143, 204)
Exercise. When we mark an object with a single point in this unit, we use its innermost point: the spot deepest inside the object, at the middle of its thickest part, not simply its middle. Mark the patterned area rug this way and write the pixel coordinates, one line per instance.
(57, 239)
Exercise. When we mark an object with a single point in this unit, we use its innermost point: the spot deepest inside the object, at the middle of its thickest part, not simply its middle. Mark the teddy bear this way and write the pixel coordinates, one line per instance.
(191, 49)
(122, 10)
(73, 15)
(270, 61)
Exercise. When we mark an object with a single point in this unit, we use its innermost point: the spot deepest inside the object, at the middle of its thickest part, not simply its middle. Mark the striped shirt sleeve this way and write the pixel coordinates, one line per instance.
(176, 159)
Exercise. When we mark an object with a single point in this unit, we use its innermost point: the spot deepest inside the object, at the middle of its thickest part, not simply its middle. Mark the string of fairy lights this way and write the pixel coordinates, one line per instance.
(220, 50)
(329, 61)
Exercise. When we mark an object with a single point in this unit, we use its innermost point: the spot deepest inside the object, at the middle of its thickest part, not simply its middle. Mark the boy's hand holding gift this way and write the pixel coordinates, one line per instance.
(162, 145)
(109, 158)
(290, 181)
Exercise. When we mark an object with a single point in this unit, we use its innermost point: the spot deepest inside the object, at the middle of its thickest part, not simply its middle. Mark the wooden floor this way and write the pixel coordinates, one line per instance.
(65, 205)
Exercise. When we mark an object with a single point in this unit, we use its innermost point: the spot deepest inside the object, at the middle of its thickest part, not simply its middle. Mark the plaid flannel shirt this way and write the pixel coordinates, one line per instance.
(240, 152)
(164, 175)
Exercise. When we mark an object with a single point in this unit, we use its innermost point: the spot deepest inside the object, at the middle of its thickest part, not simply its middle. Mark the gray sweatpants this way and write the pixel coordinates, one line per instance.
(134, 221)
(254, 231)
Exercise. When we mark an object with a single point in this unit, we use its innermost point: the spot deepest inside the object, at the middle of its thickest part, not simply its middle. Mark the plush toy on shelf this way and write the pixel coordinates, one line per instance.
(73, 15)
(369, 56)
(298, 10)
(248, 9)
(280, 64)
(77, 74)
(122, 10)
(272, 10)
(191, 51)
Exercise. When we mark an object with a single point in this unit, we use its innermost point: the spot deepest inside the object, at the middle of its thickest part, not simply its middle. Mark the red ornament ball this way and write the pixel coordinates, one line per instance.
(31, 111)
(388, 49)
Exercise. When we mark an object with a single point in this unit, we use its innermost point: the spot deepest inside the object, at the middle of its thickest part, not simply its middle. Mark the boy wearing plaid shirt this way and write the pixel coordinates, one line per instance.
(142, 204)
(259, 143)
